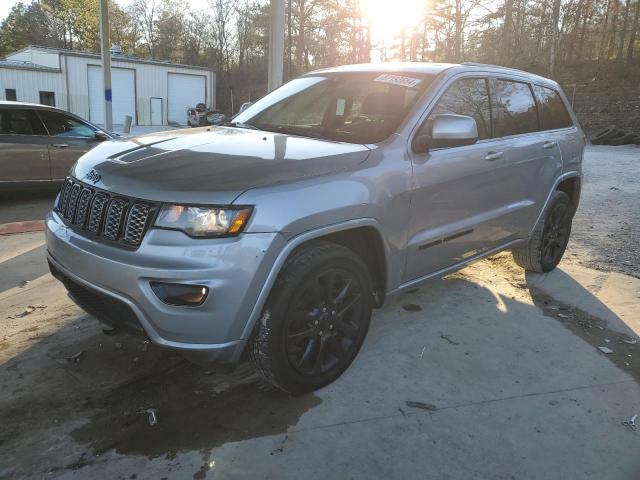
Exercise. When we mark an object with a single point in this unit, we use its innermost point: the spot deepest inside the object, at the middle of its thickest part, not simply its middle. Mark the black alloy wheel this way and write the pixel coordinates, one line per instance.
(315, 320)
(556, 233)
(324, 321)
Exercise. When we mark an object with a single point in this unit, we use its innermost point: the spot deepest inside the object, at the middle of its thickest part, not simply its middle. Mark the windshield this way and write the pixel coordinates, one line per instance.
(344, 107)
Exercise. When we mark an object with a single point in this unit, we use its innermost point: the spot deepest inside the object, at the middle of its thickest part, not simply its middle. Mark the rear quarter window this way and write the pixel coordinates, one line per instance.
(553, 113)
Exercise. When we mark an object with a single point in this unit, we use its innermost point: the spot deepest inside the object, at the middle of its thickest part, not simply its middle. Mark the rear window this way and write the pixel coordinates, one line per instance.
(15, 122)
(516, 110)
(553, 113)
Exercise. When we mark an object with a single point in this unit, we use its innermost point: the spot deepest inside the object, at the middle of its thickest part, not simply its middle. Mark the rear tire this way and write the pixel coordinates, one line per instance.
(547, 244)
(315, 320)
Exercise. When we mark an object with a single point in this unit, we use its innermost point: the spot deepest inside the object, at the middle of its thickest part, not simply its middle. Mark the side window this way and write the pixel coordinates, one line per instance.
(10, 94)
(516, 110)
(15, 122)
(469, 96)
(60, 125)
(553, 113)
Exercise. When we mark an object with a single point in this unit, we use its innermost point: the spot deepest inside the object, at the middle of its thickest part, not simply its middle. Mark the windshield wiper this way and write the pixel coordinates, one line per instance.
(295, 130)
(248, 126)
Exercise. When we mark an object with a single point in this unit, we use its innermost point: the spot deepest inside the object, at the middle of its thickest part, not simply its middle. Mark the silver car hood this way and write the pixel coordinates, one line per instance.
(212, 165)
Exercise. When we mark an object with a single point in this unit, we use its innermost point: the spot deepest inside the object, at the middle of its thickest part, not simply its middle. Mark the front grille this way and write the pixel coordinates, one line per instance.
(105, 216)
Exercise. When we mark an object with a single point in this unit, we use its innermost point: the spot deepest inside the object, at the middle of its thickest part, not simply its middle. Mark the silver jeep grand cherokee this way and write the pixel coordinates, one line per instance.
(277, 233)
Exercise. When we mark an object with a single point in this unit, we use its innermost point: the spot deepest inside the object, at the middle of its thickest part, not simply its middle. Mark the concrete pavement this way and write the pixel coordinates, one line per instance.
(516, 393)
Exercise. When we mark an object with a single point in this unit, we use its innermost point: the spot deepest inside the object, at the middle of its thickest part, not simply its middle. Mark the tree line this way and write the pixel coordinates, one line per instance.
(231, 36)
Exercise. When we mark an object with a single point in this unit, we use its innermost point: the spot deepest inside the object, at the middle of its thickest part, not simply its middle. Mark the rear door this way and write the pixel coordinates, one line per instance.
(457, 199)
(558, 126)
(69, 138)
(24, 154)
(533, 160)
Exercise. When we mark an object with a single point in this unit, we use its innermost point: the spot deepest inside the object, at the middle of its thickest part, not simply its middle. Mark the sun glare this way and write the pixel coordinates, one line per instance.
(389, 18)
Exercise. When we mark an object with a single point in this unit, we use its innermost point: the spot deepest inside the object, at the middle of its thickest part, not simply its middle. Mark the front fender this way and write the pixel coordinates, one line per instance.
(294, 243)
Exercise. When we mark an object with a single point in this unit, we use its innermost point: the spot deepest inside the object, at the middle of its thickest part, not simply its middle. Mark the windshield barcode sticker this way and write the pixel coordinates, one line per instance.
(398, 80)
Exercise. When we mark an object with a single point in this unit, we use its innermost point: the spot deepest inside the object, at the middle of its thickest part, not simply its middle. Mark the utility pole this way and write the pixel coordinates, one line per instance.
(554, 37)
(105, 44)
(276, 44)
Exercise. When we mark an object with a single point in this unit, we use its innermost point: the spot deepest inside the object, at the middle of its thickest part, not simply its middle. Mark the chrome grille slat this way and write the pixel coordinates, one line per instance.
(83, 207)
(105, 216)
(64, 195)
(72, 204)
(97, 212)
(136, 223)
(113, 222)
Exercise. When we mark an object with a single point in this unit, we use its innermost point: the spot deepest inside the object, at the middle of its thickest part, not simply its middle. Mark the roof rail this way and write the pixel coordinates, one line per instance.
(478, 64)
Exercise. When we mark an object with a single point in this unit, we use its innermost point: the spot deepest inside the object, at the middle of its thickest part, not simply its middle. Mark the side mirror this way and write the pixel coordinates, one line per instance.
(448, 131)
(101, 136)
(244, 106)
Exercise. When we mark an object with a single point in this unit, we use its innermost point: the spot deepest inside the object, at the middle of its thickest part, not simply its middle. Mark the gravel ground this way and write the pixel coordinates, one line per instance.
(606, 228)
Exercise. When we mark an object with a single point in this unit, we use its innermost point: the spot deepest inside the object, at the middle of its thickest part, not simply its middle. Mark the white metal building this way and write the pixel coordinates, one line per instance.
(153, 92)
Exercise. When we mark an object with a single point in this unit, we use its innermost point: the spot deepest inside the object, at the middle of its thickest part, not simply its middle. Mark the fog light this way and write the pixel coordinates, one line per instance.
(180, 294)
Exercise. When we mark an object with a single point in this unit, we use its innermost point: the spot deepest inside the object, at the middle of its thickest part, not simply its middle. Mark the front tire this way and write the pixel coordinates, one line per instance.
(315, 320)
(547, 244)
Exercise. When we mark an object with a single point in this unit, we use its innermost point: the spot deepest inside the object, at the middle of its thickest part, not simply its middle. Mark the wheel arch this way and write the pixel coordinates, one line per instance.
(375, 254)
(571, 186)
(569, 183)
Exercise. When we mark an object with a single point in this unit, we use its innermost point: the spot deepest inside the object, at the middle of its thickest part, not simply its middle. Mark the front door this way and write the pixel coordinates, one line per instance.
(458, 193)
(23, 146)
(69, 139)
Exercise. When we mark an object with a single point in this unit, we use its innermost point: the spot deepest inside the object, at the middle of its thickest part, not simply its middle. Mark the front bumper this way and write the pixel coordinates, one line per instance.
(234, 270)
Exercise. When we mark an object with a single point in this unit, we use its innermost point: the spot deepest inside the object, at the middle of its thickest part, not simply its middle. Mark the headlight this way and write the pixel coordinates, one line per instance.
(203, 221)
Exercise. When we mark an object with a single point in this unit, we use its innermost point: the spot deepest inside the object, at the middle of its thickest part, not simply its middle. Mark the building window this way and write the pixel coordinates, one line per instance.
(10, 94)
(48, 98)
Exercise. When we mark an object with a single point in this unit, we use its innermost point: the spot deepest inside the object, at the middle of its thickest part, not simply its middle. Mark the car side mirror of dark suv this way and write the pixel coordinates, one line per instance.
(101, 136)
(448, 130)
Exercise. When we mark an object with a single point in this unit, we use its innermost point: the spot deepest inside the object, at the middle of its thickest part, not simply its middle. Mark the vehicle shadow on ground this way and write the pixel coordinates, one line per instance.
(25, 267)
(100, 390)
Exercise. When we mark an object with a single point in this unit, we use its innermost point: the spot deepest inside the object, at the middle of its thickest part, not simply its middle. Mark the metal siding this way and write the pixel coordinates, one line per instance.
(151, 81)
(29, 83)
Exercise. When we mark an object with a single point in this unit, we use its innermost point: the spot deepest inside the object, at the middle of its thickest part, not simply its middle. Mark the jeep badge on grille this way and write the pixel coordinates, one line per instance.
(93, 176)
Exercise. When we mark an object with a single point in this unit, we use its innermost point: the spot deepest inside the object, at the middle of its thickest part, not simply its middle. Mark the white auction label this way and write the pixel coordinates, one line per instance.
(398, 80)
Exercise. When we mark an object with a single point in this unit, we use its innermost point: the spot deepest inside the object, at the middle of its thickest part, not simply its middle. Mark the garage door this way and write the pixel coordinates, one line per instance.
(123, 87)
(184, 91)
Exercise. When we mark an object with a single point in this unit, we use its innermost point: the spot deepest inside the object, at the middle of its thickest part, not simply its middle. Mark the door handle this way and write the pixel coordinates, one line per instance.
(549, 144)
(491, 156)
(61, 145)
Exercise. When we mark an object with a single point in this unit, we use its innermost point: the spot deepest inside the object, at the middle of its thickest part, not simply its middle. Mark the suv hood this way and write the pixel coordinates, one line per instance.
(212, 165)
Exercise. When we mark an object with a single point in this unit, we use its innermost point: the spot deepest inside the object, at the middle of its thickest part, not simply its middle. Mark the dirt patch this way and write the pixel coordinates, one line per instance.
(625, 354)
